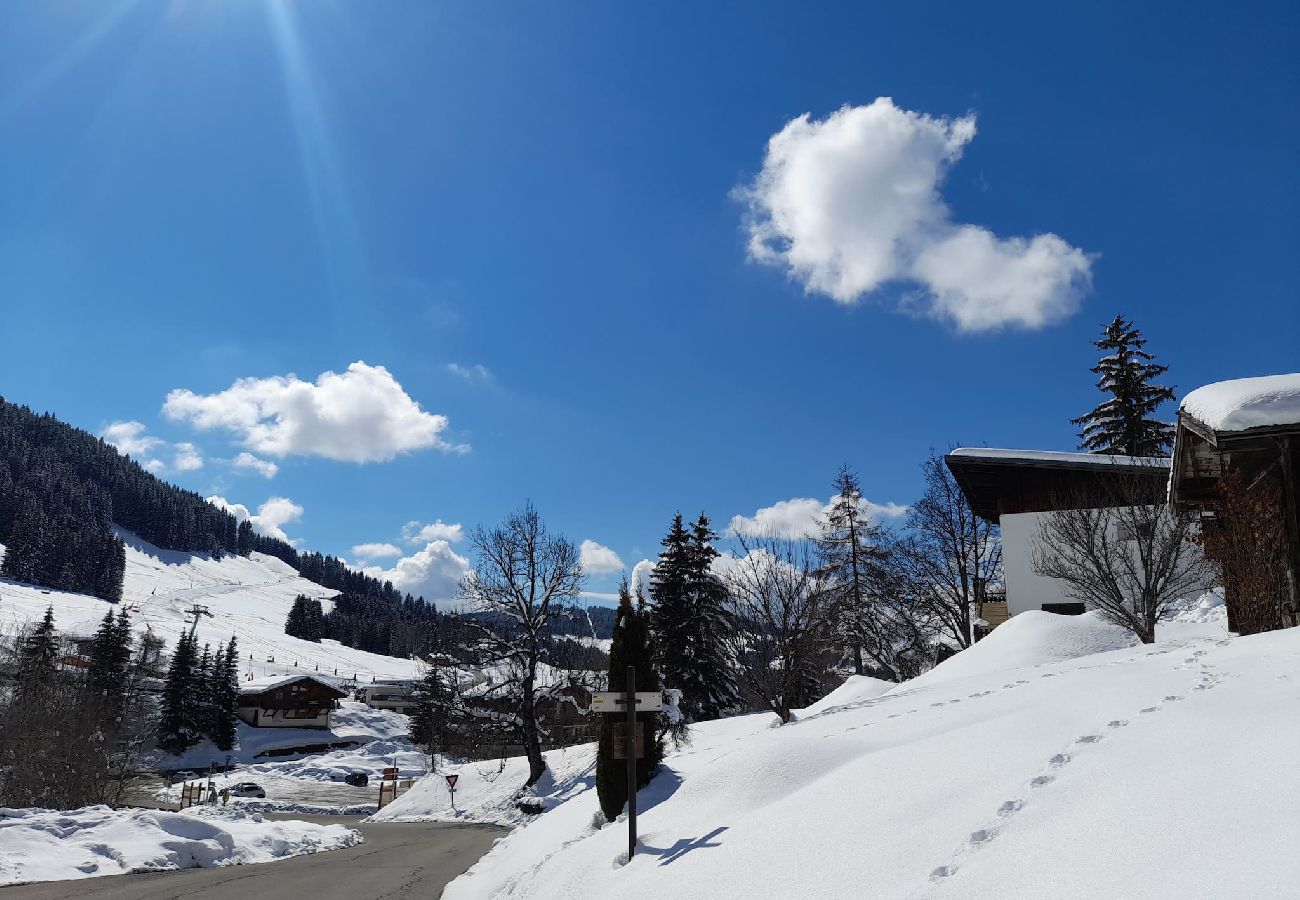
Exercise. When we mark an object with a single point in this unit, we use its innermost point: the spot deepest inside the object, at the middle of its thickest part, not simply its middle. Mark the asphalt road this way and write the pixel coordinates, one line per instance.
(396, 861)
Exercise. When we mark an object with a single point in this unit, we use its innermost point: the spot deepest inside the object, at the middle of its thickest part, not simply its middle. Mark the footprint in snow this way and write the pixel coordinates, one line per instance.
(943, 872)
(1173, 697)
(1048, 675)
(981, 836)
(1149, 709)
(1117, 723)
(1059, 760)
(1041, 780)
(1011, 806)
(1088, 739)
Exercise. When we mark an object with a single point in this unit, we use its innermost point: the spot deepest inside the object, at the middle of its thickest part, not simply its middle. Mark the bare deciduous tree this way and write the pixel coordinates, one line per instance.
(947, 554)
(521, 571)
(1121, 554)
(780, 620)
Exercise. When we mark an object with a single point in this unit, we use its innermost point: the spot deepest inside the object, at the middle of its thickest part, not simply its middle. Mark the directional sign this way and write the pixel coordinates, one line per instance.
(451, 781)
(616, 701)
(390, 774)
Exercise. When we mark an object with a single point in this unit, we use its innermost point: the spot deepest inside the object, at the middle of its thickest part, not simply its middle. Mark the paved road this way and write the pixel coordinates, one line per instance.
(396, 861)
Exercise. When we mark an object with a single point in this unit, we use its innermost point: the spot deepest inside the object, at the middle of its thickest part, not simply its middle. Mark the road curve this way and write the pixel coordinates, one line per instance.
(396, 861)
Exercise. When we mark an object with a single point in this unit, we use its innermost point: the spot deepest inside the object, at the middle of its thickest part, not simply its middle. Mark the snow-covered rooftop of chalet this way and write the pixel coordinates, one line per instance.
(270, 682)
(1269, 400)
(1060, 457)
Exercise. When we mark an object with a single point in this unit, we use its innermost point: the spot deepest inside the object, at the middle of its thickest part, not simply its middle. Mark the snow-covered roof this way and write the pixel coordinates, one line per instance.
(270, 682)
(1059, 457)
(1266, 401)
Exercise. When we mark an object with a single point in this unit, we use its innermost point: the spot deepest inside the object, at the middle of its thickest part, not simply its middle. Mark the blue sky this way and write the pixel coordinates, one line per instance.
(575, 205)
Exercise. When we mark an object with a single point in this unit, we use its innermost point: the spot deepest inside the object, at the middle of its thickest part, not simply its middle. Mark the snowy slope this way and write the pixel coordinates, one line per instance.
(249, 598)
(1153, 771)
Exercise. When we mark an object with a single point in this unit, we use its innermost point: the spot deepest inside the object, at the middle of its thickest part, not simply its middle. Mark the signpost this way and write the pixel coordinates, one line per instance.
(451, 789)
(632, 734)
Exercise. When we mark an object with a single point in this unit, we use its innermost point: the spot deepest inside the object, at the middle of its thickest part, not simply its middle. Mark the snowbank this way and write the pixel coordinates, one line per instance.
(1246, 403)
(857, 689)
(1131, 772)
(44, 845)
(1033, 638)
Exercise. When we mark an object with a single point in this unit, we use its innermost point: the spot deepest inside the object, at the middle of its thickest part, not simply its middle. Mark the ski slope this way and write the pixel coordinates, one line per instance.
(1137, 771)
(249, 598)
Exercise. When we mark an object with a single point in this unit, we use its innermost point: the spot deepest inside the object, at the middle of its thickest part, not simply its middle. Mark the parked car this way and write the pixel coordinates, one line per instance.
(357, 779)
(247, 789)
(184, 775)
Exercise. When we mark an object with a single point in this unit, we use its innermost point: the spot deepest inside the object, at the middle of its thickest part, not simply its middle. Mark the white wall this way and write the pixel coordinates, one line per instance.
(1025, 590)
(271, 718)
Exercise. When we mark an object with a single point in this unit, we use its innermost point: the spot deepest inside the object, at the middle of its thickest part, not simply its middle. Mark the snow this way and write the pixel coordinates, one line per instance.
(249, 598)
(268, 682)
(1064, 458)
(1246, 403)
(856, 689)
(45, 845)
(1060, 762)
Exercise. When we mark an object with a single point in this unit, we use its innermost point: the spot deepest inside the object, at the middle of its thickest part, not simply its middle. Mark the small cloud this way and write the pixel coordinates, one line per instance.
(156, 466)
(130, 438)
(249, 462)
(417, 533)
(270, 518)
(362, 415)
(476, 374)
(376, 551)
(187, 458)
(434, 573)
(801, 517)
(598, 559)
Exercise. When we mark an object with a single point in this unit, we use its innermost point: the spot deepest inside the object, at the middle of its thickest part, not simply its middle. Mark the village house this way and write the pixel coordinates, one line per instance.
(1016, 489)
(1250, 426)
(288, 701)
(394, 694)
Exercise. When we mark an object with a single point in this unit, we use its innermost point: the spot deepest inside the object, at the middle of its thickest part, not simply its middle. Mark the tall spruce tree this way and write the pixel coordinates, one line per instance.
(110, 657)
(176, 722)
(37, 661)
(671, 615)
(1123, 423)
(632, 645)
(712, 681)
(224, 694)
(432, 697)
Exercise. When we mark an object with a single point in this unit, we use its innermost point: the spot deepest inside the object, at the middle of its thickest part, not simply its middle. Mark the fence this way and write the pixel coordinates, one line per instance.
(196, 793)
(391, 790)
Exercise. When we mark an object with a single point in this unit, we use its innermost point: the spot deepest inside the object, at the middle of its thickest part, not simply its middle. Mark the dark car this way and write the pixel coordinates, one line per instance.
(357, 779)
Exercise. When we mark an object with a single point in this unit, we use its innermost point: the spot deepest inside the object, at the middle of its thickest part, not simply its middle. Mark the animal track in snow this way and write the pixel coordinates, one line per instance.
(981, 836)
(1009, 807)
(1149, 709)
(1059, 760)
(1172, 697)
(943, 872)
(1087, 739)
(1117, 723)
(1041, 780)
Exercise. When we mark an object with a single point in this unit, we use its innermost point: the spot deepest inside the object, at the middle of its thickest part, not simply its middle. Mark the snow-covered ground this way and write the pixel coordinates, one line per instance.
(1059, 761)
(44, 845)
(248, 597)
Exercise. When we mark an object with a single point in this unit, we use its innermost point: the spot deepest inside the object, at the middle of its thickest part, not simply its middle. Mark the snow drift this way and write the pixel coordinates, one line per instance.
(44, 845)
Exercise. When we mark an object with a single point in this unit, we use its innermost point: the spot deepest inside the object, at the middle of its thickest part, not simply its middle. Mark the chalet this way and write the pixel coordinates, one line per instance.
(1250, 426)
(288, 701)
(1015, 489)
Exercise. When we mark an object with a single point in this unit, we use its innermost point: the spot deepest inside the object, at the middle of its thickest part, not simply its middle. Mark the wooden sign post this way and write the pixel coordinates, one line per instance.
(633, 735)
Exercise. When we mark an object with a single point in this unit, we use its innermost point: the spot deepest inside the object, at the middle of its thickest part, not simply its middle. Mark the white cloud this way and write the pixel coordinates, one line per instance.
(799, 517)
(187, 458)
(476, 373)
(263, 467)
(639, 581)
(418, 533)
(130, 438)
(433, 573)
(597, 559)
(376, 551)
(850, 203)
(270, 518)
(362, 415)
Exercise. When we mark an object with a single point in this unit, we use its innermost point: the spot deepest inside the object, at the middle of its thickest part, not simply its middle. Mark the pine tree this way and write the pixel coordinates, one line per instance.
(632, 646)
(224, 694)
(37, 661)
(852, 568)
(670, 609)
(1122, 424)
(176, 731)
(712, 682)
(110, 657)
(431, 698)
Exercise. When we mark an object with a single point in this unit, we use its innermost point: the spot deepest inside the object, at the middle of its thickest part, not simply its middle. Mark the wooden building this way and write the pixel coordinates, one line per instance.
(1251, 427)
(288, 701)
(1015, 489)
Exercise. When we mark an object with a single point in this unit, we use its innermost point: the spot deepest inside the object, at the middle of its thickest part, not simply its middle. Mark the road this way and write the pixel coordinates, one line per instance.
(396, 861)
